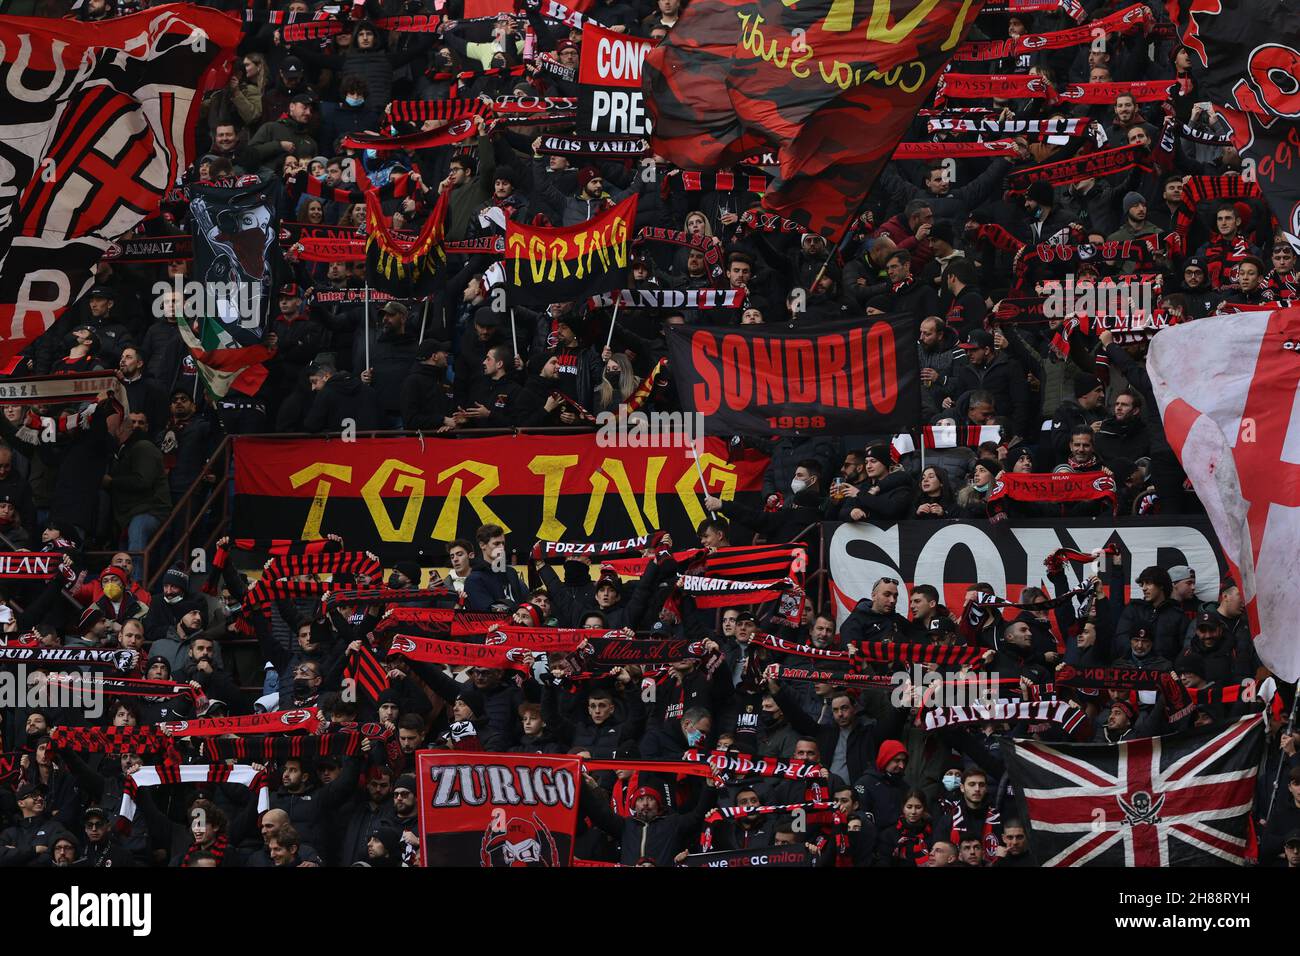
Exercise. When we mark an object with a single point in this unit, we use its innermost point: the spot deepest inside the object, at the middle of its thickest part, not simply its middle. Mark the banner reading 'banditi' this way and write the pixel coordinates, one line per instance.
(843, 377)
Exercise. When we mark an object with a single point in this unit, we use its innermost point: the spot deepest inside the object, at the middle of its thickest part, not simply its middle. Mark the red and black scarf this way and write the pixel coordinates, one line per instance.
(1054, 487)
(1096, 165)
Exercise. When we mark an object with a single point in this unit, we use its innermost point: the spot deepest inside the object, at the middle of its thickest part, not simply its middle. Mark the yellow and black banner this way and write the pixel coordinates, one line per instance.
(544, 266)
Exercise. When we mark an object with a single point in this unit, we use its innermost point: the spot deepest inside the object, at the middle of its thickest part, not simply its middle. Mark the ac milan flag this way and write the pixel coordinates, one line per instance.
(480, 809)
(1180, 800)
(1228, 415)
(831, 84)
(98, 123)
(1244, 61)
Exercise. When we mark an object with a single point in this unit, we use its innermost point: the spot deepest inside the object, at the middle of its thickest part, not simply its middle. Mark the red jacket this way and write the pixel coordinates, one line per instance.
(896, 229)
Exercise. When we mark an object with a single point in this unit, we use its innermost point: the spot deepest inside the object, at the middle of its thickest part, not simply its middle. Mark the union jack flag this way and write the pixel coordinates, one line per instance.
(1180, 800)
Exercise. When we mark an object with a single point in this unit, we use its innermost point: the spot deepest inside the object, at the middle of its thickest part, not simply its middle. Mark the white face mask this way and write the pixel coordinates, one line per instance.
(172, 599)
(797, 485)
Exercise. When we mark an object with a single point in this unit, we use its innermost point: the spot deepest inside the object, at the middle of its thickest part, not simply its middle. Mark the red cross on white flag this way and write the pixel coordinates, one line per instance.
(1227, 390)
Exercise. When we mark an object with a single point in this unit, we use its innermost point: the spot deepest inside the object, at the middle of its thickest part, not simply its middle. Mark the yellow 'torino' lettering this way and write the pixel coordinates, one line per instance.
(839, 19)
(316, 513)
(409, 482)
(445, 529)
(551, 469)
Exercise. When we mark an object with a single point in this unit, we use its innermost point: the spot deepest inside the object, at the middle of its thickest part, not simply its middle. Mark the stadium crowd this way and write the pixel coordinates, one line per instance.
(1065, 397)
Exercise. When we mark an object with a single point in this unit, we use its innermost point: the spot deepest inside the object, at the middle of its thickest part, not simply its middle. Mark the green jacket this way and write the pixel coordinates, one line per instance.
(468, 199)
(139, 484)
(264, 150)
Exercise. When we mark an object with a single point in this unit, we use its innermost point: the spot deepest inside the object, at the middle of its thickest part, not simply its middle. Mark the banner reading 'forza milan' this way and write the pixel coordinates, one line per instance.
(849, 377)
(398, 496)
(497, 809)
(97, 126)
(831, 85)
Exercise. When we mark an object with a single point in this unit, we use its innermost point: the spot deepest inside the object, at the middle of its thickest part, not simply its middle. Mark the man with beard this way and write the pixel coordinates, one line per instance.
(1155, 613)
(405, 817)
(29, 838)
(1135, 220)
(874, 618)
(337, 398)
(749, 832)
(137, 486)
(1086, 408)
(1202, 299)
(364, 813)
(580, 369)
(296, 338)
(288, 135)
(851, 742)
(591, 198)
(649, 833)
(1124, 433)
(311, 808)
(392, 357)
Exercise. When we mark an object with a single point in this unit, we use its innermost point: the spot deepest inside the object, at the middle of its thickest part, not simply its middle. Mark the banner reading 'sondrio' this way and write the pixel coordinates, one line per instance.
(610, 101)
(497, 809)
(398, 496)
(953, 555)
(850, 377)
(544, 266)
(831, 84)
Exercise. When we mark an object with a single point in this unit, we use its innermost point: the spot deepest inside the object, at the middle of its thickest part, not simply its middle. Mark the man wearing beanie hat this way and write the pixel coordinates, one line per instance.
(1045, 218)
(406, 574)
(880, 790)
(983, 367)
(425, 398)
(1087, 407)
(1124, 721)
(1135, 221)
(591, 199)
(882, 495)
(650, 832)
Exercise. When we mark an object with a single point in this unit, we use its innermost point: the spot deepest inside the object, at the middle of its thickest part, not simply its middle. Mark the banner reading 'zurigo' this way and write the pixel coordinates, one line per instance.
(848, 377)
(832, 84)
(544, 265)
(398, 496)
(497, 809)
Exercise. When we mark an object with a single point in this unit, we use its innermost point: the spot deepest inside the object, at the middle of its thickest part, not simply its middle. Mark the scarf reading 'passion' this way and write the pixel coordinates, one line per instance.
(1054, 487)
(1096, 165)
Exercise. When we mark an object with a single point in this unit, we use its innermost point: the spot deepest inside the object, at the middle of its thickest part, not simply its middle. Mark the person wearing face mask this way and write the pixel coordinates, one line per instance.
(792, 521)
(116, 602)
(351, 114)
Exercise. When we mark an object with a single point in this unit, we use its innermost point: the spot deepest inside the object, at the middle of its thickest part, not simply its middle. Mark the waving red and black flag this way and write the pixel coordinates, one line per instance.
(1245, 64)
(567, 264)
(833, 86)
(102, 121)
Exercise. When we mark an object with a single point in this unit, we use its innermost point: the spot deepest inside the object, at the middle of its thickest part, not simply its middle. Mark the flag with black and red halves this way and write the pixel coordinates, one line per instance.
(1246, 64)
(831, 84)
(405, 265)
(544, 266)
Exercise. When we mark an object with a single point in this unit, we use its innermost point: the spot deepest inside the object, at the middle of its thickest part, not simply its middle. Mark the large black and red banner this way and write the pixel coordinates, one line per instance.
(831, 86)
(401, 496)
(849, 377)
(497, 809)
(953, 555)
(100, 123)
(1246, 65)
(544, 265)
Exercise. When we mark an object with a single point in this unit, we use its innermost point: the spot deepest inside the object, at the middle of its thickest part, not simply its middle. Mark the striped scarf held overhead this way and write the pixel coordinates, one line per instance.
(170, 773)
(419, 111)
(275, 547)
(810, 807)
(366, 673)
(692, 181)
(274, 587)
(276, 748)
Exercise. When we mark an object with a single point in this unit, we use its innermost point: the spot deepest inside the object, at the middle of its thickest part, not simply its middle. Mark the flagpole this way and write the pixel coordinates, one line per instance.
(610, 338)
(424, 319)
(1289, 729)
(514, 342)
(839, 246)
(367, 329)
